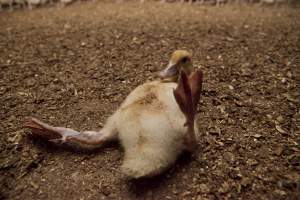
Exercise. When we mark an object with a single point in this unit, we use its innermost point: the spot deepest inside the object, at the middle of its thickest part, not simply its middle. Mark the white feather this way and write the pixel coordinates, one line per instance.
(151, 129)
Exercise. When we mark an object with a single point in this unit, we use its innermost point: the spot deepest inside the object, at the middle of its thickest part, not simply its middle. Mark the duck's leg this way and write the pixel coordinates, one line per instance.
(92, 139)
(187, 95)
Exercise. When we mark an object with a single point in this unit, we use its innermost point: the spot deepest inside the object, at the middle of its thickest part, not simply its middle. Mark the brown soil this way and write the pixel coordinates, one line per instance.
(74, 66)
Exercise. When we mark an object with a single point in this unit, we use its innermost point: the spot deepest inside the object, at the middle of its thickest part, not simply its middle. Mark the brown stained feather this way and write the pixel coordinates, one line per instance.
(142, 140)
(150, 99)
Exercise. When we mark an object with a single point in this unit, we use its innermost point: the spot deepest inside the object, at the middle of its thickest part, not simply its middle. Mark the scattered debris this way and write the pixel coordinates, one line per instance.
(225, 187)
(252, 162)
(74, 66)
(280, 130)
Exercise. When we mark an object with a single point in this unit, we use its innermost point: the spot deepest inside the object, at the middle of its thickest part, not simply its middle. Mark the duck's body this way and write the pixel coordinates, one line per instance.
(154, 124)
(151, 129)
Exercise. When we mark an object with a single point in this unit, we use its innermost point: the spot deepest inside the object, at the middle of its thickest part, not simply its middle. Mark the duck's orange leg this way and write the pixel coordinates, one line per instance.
(62, 135)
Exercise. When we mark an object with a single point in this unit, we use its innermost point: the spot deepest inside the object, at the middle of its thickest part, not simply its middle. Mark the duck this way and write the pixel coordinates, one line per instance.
(6, 2)
(155, 123)
(274, 2)
(34, 3)
(66, 2)
(20, 3)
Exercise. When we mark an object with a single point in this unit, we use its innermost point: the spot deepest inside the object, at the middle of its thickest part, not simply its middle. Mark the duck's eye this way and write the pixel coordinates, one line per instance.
(184, 60)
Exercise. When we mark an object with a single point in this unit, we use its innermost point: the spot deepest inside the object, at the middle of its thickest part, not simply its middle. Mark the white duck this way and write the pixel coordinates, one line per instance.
(274, 2)
(154, 124)
(6, 2)
(35, 3)
(20, 3)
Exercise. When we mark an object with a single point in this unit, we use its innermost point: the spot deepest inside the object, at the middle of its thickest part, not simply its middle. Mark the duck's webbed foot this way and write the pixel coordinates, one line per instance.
(48, 132)
(62, 135)
(190, 142)
(187, 95)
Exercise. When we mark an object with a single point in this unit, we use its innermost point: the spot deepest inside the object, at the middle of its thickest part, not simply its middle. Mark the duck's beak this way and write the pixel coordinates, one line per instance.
(169, 71)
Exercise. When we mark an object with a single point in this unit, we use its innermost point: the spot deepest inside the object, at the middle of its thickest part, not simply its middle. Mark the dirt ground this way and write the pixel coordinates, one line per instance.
(74, 66)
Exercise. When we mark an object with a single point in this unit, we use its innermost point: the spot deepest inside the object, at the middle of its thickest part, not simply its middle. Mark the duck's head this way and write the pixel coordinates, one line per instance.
(180, 61)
